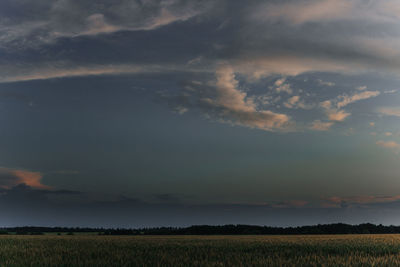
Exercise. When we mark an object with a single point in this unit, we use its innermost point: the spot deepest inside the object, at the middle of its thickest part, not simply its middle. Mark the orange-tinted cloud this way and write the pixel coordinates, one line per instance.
(13, 177)
(346, 100)
(234, 106)
(388, 144)
(302, 12)
(318, 125)
(390, 111)
(334, 114)
(338, 115)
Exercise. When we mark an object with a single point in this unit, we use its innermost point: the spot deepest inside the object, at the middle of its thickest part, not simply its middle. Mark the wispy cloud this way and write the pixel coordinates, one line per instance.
(54, 19)
(346, 100)
(62, 72)
(305, 11)
(390, 145)
(390, 111)
(333, 108)
(318, 125)
(264, 65)
(361, 88)
(65, 70)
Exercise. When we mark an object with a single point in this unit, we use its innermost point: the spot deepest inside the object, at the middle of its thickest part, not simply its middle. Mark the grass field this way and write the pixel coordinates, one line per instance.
(86, 250)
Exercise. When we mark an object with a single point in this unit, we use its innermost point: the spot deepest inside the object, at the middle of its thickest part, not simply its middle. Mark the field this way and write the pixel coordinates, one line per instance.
(89, 250)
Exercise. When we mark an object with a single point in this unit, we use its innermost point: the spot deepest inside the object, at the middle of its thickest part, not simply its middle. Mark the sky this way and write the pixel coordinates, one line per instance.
(141, 113)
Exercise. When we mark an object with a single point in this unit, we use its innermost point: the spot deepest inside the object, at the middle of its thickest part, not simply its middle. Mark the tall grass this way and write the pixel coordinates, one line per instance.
(86, 250)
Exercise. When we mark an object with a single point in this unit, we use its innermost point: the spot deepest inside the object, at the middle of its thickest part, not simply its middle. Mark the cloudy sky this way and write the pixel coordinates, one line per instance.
(171, 112)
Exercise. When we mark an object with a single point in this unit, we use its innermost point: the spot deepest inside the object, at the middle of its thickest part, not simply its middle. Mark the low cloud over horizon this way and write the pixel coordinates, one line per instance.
(80, 209)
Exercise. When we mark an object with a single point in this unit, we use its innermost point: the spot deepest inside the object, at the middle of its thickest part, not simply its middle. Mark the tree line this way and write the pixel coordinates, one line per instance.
(328, 229)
